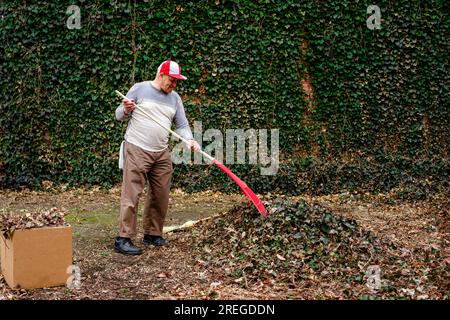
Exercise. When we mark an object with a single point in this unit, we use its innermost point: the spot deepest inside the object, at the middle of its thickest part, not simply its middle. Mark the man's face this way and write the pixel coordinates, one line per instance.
(168, 83)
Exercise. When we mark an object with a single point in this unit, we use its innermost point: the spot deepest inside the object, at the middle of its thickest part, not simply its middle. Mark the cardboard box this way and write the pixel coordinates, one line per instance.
(36, 258)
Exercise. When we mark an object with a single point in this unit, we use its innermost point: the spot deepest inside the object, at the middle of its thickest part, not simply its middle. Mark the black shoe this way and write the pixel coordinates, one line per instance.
(155, 240)
(125, 246)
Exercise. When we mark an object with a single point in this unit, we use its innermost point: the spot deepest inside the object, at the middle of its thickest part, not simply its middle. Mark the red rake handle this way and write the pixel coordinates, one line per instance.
(247, 191)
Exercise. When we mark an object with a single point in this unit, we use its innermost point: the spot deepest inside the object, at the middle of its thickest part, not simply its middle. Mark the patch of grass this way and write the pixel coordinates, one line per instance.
(104, 216)
(123, 290)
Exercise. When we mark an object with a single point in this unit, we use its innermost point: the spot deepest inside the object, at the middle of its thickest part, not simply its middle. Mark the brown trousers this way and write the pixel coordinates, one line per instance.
(141, 166)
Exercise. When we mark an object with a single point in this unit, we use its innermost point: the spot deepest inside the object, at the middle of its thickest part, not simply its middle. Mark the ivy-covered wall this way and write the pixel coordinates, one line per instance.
(347, 99)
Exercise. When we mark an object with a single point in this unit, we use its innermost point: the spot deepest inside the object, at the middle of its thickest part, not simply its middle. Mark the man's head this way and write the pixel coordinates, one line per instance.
(169, 72)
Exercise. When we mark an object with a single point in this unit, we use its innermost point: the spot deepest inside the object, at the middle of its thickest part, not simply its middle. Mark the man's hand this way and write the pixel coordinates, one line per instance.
(128, 106)
(193, 145)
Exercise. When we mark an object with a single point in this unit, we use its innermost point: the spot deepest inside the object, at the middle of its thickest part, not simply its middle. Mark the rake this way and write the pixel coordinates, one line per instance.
(245, 189)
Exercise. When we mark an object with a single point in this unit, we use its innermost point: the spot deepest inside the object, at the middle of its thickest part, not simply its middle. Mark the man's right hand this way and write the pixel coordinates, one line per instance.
(128, 106)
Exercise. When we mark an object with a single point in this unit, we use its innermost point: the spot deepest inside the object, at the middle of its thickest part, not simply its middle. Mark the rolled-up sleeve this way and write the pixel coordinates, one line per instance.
(120, 114)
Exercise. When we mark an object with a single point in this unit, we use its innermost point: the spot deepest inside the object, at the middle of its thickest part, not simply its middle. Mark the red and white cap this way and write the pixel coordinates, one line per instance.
(172, 69)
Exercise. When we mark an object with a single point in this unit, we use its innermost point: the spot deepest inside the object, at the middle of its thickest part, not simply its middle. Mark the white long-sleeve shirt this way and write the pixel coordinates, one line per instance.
(166, 108)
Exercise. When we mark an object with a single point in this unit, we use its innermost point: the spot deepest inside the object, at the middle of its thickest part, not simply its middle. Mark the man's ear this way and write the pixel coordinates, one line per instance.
(161, 76)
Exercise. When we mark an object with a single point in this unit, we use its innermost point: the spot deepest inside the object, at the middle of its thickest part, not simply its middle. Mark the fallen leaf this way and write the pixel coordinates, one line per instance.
(281, 257)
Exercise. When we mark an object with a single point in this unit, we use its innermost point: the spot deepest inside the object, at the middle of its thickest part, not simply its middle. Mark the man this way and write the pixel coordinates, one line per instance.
(146, 155)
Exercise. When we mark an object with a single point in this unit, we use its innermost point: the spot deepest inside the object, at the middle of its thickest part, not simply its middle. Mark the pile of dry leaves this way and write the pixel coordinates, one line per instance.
(51, 218)
(301, 243)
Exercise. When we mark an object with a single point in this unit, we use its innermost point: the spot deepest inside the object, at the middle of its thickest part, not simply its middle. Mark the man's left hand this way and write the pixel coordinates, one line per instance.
(193, 145)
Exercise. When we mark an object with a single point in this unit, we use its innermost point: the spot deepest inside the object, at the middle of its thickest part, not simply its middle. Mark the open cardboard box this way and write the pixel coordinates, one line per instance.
(37, 257)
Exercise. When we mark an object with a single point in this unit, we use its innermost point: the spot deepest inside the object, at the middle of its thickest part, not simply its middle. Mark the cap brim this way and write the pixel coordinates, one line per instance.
(178, 76)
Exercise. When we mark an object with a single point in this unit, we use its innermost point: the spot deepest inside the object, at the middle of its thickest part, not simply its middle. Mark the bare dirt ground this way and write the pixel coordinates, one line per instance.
(176, 272)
